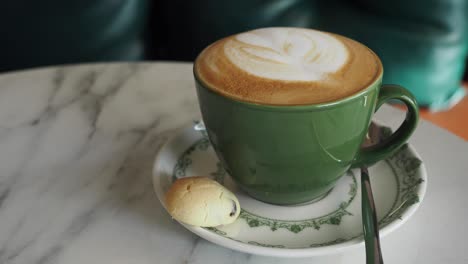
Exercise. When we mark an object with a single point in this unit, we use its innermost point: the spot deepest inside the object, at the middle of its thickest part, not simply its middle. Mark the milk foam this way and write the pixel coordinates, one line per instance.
(289, 54)
(287, 66)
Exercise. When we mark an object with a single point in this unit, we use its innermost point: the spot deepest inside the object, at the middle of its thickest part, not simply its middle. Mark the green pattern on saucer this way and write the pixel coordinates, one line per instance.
(333, 218)
(404, 165)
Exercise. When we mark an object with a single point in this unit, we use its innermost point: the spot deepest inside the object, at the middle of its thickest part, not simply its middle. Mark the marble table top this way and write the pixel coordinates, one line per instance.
(77, 145)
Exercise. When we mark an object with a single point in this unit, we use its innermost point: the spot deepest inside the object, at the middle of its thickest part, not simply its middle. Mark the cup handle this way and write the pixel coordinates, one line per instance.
(369, 155)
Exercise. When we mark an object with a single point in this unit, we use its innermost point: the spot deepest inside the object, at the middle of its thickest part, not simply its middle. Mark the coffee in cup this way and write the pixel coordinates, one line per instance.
(287, 66)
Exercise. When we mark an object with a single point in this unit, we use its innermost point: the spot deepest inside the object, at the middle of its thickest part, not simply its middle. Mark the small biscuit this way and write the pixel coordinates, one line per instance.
(200, 201)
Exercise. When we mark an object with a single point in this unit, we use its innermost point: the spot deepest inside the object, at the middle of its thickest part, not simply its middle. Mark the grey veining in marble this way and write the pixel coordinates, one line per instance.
(77, 145)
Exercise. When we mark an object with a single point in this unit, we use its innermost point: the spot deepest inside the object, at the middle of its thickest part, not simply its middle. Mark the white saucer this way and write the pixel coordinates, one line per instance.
(328, 226)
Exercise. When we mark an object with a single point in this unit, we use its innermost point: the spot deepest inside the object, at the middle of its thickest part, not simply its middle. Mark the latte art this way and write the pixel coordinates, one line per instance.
(287, 54)
(287, 66)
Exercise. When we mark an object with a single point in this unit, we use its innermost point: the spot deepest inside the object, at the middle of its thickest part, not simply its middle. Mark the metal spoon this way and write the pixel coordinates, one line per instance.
(369, 221)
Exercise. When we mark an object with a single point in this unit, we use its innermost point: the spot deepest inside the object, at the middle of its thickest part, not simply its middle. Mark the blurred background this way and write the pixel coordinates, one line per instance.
(423, 44)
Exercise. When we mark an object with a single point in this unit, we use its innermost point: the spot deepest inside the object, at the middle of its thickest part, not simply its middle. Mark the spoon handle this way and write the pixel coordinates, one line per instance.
(369, 221)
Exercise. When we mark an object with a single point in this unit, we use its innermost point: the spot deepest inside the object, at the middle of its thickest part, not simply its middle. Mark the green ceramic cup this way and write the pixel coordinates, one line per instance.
(294, 154)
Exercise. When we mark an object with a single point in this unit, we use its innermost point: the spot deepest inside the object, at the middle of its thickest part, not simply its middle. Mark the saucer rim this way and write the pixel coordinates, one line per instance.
(294, 252)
